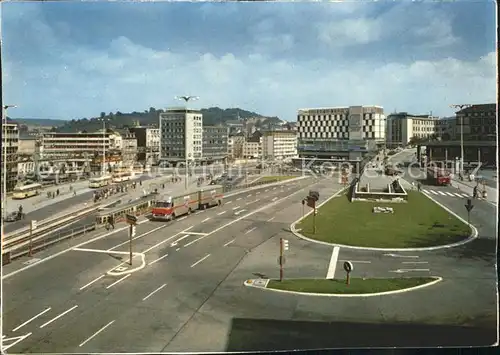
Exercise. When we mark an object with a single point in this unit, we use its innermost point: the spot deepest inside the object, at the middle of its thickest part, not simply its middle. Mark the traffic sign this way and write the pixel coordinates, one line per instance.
(348, 267)
(285, 244)
(314, 195)
(311, 202)
(33, 224)
(131, 219)
(469, 206)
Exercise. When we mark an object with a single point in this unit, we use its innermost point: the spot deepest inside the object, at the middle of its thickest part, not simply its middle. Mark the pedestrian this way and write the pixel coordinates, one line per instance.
(419, 186)
(57, 192)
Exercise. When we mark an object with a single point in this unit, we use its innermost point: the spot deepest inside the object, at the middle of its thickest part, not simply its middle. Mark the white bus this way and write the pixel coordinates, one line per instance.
(101, 181)
(26, 191)
(121, 177)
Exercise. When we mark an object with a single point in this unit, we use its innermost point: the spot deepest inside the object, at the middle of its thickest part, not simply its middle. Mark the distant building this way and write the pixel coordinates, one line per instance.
(235, 145)
(128, 147)
(235, 126)
(10, 146)
(479, 123)
(252, 150)
(181, 135)
(340, 132)
(402, 127)
(148, 144)
(279, 144)
(215, 143)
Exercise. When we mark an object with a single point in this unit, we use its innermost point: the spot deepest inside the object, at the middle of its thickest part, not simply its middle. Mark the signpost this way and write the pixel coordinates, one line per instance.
(311, 202)
(33, 226)
(303, 205)
(348, 267)
(281, 258)
(469, 206)
(132, 222)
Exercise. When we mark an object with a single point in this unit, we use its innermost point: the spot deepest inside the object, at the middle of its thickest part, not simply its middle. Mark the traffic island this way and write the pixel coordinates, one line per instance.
(419, 223)
(356, 286)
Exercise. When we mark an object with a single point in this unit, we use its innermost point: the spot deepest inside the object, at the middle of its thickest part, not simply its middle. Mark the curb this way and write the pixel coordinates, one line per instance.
(352, 295)
(137, 268)
(472, 236)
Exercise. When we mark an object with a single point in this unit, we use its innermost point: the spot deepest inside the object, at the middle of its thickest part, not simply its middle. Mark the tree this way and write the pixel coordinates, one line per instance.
(103, 114)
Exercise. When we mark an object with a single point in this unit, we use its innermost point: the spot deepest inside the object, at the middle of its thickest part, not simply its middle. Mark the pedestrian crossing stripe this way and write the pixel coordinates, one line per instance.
(445, 193)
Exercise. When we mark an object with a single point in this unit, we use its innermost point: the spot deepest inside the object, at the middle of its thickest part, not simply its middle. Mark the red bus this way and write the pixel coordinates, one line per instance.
(438, 176)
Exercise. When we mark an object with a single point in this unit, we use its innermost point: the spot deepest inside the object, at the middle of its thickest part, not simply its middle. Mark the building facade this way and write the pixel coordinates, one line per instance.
(477, 123)
(10, 146)
(181, 135)
(215, 143)
(402, 127)
(235, 145)
(148, 144)
(128, 147)
(252, 150)
(279, 144)
(340, 132)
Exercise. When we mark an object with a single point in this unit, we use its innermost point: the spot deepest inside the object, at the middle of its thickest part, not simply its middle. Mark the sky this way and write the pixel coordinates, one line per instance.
(70, 60)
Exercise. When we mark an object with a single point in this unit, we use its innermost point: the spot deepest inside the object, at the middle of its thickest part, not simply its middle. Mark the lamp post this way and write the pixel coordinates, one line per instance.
(4, 178)
(186, 99)
(461, 107)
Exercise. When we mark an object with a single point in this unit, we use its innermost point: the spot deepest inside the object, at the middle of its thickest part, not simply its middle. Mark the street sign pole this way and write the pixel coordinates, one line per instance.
(348, 267)
(132, 221)
(314, 218)
(469, 206)
(281, 259)
(130, 242)
(303, 208)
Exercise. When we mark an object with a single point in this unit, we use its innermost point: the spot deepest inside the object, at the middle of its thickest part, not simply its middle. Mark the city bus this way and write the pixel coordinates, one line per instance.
(438, 176)
(101, 181)
(121, 177)
(26, 191)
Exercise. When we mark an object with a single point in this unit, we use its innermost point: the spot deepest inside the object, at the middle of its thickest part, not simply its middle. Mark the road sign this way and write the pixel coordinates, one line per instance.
(131, 219)
(348, 267)
(311, 202)
(285, 244)
(314, 195)
(33, 224)
(469, 206)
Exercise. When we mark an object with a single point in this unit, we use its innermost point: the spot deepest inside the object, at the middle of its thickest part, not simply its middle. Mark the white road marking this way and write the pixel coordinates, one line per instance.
(228, 202)
(249, 195)
(235, 208)
(457, 194)
(174, 243)
(31, 319)
(96, 333)
(356, 261)
(258, 192)
(152, 293)
(266, 190)
(198, 212)
(270, 219)
(399, 271)
(238, 212)
(194, 241)
(231, 241)
(119, 280)
(402, 256)
(449, 194)
(194, 233)
(91, 282)
(160, 243)
(239, 198)
(177, 249)
(160, 258)
(18, 340)
(441, 193)
(333, 263)
(274, 199)
(415, 262)
(425, 191)
(465, 195)
(139, 236)
(221, 213)
(250, 230)
(181, 219)
(274, 188)
(59, 316)
(199, 261)
(434, 192)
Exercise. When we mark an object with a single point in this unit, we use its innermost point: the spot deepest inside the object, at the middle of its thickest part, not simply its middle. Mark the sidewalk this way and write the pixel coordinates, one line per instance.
(467, 187)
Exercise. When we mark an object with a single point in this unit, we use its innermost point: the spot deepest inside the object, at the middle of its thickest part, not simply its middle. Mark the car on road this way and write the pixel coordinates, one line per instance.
(13, 217)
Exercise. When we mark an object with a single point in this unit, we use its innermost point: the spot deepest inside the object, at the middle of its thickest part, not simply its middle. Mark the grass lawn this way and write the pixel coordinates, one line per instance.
(416, 224)
(356, 286)
(278, 178)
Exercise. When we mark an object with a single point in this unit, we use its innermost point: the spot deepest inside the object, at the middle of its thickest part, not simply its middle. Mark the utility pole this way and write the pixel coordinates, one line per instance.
(186, 99)
(4, 178)
(460, 107)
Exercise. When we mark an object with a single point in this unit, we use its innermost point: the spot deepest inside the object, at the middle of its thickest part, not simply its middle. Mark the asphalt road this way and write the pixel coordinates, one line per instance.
(190, 297)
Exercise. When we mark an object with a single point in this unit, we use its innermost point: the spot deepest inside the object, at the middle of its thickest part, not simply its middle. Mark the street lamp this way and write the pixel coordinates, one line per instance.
(461, 107)
(4, 182)
(186, 99)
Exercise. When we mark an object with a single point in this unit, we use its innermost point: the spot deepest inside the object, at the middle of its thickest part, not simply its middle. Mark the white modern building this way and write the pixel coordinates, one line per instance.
(10, 146)
(340, 132)
(402, 127)
(181, 135)
(279, 144)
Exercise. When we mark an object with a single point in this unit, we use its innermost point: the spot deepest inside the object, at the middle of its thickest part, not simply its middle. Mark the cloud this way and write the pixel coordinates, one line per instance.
(269, 59)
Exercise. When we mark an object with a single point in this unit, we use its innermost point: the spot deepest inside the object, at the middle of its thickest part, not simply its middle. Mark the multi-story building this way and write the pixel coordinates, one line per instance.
(10, 146)
(181, 135)
(235, 145)
(340, 132)
(215, 143)
(478, 121)
(402, 127)
(252, 150)
(279, 144)
(445, 128)
(128, 147)
(78, 150)
(148, 144)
